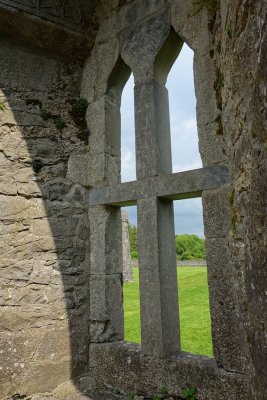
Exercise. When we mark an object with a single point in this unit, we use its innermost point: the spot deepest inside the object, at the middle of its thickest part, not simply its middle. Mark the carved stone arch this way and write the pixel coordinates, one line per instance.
(141, 43)
(167, 56)
(117, 79)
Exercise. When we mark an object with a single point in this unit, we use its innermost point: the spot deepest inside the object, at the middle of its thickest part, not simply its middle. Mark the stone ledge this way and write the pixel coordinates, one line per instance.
(36, 31)
(122, 365)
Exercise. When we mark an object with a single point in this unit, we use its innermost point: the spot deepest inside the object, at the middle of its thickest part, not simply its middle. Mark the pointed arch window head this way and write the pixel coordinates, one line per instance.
(117, 80)
(167, 56)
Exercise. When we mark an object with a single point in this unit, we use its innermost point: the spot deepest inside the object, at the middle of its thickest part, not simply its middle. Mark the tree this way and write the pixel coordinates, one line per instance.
(133, 241)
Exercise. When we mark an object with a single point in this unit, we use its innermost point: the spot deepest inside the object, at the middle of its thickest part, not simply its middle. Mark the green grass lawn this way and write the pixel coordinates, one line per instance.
(194, 310)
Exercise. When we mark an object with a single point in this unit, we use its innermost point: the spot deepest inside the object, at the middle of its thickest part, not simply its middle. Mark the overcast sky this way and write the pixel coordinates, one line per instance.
(185, 154)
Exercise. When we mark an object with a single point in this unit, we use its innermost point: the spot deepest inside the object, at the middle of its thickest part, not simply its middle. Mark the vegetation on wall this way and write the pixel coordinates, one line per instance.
(188, 247)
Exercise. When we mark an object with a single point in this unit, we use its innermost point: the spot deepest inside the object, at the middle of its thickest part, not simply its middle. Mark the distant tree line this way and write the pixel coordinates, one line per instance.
(188, 247)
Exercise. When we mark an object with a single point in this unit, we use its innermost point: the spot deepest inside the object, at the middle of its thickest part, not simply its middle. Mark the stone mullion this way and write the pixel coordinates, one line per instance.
(152, 126)
(158, 279)
(157, 259)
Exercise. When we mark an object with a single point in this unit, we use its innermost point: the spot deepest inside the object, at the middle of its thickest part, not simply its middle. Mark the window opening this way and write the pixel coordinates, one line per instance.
(195, 323)
(131, 293)
(182, 106)
(157, 248)
(128, 162)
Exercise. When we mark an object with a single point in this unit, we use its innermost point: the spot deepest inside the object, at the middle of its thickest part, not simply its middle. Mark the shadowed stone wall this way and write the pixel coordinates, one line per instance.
(43, 225)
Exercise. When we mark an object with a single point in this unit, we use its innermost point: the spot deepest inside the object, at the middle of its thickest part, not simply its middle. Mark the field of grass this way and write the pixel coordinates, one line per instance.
(194, 310)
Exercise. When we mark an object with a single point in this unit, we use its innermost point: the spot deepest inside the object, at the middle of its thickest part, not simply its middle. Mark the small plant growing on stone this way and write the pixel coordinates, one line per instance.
(46, 115)
(209, 4)
(60, 124)
(117, 391)
(163, 391)
(189, 393)
(229, 30)
(130, 396)
(79, 107)
(2, 106)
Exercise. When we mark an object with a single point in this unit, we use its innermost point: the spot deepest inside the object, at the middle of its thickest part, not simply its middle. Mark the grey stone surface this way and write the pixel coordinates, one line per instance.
(93, 169)
(176, 186)
(226, 329)
(73, 15)
(217, 212)
(104, 127)
(48, 33)
(106, 308)
(152, 128)
(135, 12)
(158, 280)
(98, 68)
(136, 373)
(141, 43)
(191, 24)
(105, 240)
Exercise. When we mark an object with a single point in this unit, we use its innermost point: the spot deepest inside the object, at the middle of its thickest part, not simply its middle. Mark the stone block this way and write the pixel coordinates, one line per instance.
(191, 26)
(104, 124)
(158, 278)
(17, 208)
(146, 375)
(216, 211)
(225, 318)
(15, 269)
(152, 127)
(8, 184)
(29, 352)
(31, 70)
(141, 42)
(130, 14)
(93, 169)
(98, 68)
(211, 144)
(32, 316)
(204, 77)
(31, 294)
(105, 240)
(21, 118)
(106, 308)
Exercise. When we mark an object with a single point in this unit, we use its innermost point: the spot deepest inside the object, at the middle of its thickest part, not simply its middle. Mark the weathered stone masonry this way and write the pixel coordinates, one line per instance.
(61, 238)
